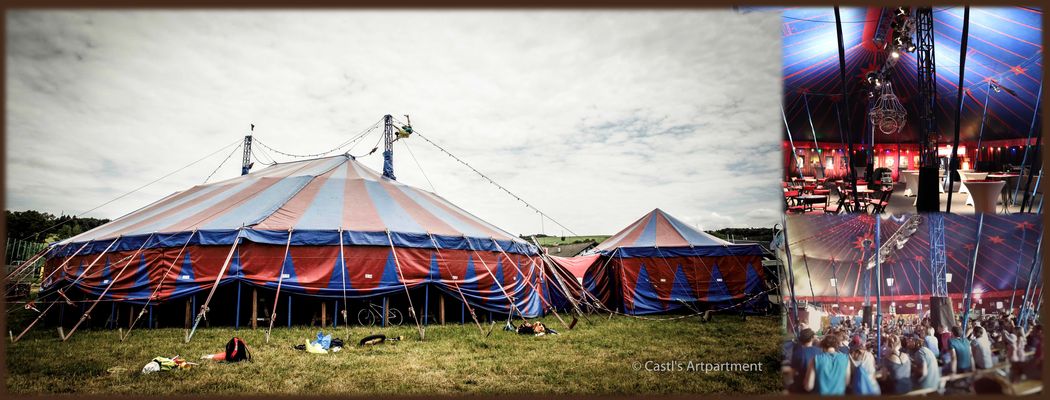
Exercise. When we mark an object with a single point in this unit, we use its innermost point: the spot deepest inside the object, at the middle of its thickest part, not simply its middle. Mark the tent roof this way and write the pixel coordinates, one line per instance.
(315, 200)
(1005, 44)
(659, 230)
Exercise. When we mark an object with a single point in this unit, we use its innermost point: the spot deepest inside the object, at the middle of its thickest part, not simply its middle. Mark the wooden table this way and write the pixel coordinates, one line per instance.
(810, 199)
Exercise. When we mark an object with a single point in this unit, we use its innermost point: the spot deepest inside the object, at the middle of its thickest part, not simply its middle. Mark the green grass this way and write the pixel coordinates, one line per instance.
(556, 240)
(594, 358)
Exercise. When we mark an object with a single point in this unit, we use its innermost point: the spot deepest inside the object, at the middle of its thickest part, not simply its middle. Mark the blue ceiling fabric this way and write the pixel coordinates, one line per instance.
(1005, 45)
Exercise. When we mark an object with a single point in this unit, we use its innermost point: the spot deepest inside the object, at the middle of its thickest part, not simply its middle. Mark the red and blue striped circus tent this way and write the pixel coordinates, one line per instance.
(661, 264)
(326, 228)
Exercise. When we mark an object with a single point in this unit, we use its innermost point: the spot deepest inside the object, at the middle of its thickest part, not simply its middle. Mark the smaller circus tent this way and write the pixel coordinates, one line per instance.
(660, 264)
(327, 228)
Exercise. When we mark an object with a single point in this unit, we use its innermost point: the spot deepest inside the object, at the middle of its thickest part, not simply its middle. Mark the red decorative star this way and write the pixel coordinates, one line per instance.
(859, 243)
(968, 246)
(919, 258)
(1017, 70)
(996, 240)
(1023, 225)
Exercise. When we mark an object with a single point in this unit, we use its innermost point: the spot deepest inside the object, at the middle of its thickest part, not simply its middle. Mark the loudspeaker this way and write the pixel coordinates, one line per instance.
(929, 199)
(868, 316)
(941, 312)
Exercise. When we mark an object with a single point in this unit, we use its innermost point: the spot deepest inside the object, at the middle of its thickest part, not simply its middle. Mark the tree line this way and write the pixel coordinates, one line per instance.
(42, 227)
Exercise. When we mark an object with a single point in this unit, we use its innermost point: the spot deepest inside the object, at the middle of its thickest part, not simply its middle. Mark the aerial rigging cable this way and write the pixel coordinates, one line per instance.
(135, 189)
(527, 204)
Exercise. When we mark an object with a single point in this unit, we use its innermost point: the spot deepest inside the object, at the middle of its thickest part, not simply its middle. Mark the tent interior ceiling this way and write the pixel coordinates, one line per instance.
(826, 247)
(1005, 45)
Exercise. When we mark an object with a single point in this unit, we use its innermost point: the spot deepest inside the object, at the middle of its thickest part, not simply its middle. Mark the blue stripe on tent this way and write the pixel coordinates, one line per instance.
(693, 236)
(718, 290)
(336, 281)
(299, 238)
(435, 271)
(451, 220)
(648, 236)
(646, 301)
(326, 209)
(196, 208)
(390, 277)
(394, 217)
(680, 289)
(260, 206)
(141, 289)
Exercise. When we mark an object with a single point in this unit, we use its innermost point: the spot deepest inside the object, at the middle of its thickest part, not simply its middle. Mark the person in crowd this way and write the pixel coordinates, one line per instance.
(1015, 338)
(896, 367)
(801, 355)
(981, 348)
(863, 374)
(943, 337)
(961, 359)
(931, 342)
(924, 365)
(829, 372)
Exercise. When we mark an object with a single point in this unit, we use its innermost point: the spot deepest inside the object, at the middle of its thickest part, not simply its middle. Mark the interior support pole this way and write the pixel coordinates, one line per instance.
(1028, 142)
(973, 270)
(846, 113)
(953, 162)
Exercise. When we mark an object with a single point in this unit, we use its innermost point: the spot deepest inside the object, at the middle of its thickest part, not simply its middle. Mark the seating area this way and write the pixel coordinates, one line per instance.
(822, 196)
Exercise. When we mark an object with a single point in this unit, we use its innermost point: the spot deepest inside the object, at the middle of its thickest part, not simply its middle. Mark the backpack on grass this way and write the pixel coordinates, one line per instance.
(237, 350)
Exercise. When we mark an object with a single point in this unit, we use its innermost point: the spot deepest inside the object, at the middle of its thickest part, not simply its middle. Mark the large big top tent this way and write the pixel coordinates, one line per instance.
(325, 228)
(833, 267)
(660, 264)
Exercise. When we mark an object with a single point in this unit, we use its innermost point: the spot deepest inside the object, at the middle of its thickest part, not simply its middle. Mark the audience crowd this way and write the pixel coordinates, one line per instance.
(914, 356)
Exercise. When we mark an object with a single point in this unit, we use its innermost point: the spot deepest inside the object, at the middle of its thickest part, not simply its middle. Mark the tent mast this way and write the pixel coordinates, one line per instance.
(246, 161)
(388, 147)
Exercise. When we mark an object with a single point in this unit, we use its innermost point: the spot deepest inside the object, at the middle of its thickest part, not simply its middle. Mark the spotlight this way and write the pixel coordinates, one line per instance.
(911, 47)
(895, 54)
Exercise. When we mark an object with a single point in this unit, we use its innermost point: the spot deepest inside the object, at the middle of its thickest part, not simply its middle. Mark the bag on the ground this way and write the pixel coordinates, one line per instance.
(158, 364)
(237, 350)
(325, 341)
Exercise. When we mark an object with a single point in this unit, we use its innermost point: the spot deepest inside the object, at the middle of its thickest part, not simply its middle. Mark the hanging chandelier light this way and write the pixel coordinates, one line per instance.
(888, 114)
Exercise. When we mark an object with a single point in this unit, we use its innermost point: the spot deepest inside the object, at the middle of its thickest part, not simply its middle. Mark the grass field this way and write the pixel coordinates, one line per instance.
(594, 358)
(556, 240)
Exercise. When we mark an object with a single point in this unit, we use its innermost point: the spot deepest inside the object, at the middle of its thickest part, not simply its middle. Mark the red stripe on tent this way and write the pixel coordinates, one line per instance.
(428, 221)
(666, 234)
(359, 214)
(289, 214)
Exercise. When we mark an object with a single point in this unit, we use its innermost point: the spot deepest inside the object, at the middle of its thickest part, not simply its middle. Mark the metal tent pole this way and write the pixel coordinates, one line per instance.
(973, 269)
(953, 161)
(1028, 146)
(845, 100)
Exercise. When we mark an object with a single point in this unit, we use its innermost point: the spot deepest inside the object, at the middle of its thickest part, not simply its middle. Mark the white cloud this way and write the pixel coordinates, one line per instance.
(593, 117)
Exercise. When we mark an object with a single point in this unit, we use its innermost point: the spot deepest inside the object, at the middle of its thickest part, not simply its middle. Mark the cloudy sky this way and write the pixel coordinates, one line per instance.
(593, 117)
